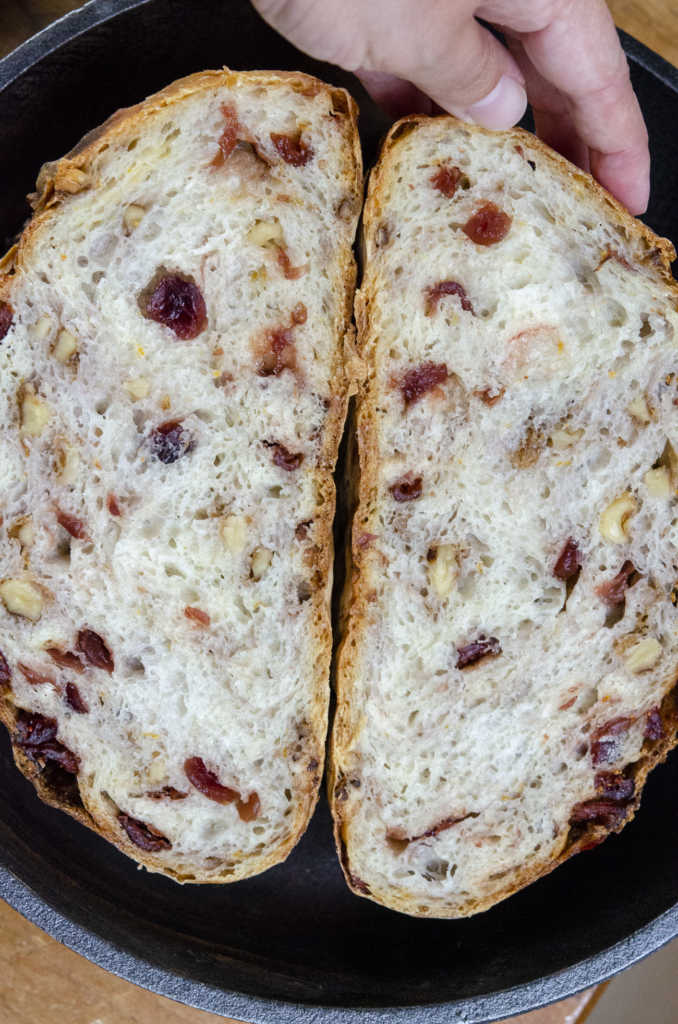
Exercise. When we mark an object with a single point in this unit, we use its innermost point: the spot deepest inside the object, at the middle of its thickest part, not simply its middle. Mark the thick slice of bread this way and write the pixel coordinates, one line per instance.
(172, 398)
(505, 681)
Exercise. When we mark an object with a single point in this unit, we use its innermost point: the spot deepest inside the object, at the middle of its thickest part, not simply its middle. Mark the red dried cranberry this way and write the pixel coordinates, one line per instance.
(598, 812)
(569, 561)
(229, 137)
(5, 673)
(95, 650)
(74, 699)
(32, 729)
(207, 783)
(292, 149)
(407, 488)
(279, 353)
(613, 254)
(420, 379)
(65, 659)
(299, 314)
(36, 677)
(178, 304)
(436, 291)
(170, 441)
(71, 524)
(283, 458)
(364, 540)
(490, 396)
(142, 835)
(112, 505)
(477, 649)
(197, 615)
(166, 793)
(488, 225)
(6, 318)
(446, 180)
(441, 826)
(614, 786)
(290, 272)
(249, 809)
(36, 735)
(357, 883)
(301, 529)
(654, 726)
(613, 591)
(592, 845)
(604, 741)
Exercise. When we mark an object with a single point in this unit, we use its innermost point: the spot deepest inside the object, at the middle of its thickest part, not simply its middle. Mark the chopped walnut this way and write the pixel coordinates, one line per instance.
(132, 217)
(35, 413)
(529, 451)
(66, 346)
(66, 462)
(643, 656)
(443, 568)
(137, 388)
(233, 531)
(613, 520)
(23, 530)
(21, 597)
(261, 561)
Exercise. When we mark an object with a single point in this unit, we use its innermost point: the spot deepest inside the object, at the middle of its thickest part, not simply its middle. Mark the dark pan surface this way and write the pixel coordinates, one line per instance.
(294, 944)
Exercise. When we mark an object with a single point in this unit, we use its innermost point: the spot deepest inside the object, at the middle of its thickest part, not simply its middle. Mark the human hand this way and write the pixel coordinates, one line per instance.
(422, 55)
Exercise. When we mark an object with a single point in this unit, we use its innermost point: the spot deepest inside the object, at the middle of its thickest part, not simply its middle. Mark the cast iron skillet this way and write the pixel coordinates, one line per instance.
(294, 944)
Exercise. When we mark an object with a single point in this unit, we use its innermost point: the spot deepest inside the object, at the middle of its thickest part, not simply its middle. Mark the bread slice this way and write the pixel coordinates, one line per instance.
(173, 394)
(506, 678)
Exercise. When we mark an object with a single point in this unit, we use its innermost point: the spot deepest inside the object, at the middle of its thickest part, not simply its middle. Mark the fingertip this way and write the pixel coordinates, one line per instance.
(503, 106)
(626, 175)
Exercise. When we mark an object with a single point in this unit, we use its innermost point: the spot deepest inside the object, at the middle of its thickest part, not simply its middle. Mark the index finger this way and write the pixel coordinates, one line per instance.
(579, 53)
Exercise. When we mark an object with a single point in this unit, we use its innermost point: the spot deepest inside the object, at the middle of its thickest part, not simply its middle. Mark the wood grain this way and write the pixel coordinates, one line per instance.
(42, 980)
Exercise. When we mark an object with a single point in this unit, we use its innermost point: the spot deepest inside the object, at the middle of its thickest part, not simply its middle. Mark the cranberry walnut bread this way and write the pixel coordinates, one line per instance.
(172, 328)
(504, 682)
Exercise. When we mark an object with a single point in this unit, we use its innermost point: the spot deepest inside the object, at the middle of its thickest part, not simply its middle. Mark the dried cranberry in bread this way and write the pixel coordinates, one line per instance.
(506, 679)
(172, 397)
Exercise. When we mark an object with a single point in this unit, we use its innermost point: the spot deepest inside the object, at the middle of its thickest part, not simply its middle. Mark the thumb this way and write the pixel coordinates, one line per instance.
(476, 78)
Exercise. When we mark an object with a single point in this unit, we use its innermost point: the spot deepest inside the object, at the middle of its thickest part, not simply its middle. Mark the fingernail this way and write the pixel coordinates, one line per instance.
(501, 108)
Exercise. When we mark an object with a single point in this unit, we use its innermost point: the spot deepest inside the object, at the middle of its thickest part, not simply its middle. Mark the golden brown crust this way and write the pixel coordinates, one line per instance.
(57, 181)
(356, 598)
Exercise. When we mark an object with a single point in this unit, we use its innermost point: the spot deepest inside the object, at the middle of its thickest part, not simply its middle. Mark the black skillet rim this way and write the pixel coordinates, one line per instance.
(519, 999)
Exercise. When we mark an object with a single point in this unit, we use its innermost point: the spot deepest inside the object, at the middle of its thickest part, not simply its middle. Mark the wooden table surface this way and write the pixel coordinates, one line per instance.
(42, 980)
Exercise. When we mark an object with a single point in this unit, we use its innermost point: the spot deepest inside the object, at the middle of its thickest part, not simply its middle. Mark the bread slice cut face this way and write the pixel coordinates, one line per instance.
(506, 675)
(172, 394)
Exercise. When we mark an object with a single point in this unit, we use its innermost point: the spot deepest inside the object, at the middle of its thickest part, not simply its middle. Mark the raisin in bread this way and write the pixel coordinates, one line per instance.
(173, 395)
(504, 683)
